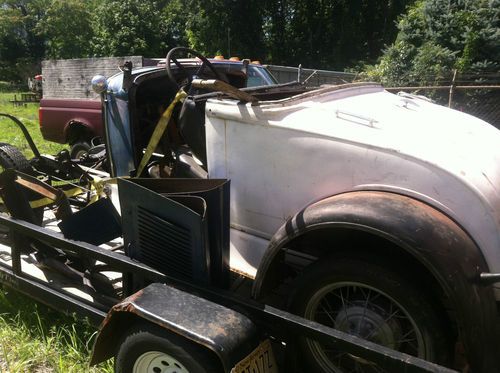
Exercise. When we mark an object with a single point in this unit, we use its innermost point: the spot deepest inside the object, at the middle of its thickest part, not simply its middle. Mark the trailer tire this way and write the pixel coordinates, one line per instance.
(368, 300)
(149, 348)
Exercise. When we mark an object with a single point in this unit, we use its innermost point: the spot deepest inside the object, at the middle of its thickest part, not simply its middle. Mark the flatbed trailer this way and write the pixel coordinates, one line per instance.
(225, 322)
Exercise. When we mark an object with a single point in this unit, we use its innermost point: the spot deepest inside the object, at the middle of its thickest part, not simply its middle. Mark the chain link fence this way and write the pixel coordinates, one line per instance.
(477, 94)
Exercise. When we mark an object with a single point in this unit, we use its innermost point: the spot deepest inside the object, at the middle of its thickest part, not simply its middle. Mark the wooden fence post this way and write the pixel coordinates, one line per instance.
(452, 88)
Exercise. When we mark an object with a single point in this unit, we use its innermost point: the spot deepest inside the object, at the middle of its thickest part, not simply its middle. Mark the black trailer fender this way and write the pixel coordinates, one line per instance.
(429, 236)
(229, 334)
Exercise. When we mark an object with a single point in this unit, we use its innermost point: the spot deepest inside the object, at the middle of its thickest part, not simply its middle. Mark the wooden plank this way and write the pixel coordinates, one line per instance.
(71, 78)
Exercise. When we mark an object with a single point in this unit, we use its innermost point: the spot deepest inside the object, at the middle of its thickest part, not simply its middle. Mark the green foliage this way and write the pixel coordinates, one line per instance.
(437, 36)
(34, 338)
(231, 28)
(20, 47)
(329, 34)
(316, 33)
(128, 27)
(66, 26)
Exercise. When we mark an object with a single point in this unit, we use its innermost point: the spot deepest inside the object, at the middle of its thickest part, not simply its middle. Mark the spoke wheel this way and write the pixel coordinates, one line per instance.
(370, 302)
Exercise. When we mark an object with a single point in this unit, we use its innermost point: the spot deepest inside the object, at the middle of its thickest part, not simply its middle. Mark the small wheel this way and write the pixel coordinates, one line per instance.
(371, 302)
(149, 349)
(79, 149)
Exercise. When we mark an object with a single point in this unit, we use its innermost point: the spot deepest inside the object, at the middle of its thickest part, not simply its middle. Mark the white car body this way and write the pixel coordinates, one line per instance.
(283, 155)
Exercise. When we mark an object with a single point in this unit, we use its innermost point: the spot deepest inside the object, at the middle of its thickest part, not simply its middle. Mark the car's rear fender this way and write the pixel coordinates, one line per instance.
(420, 233)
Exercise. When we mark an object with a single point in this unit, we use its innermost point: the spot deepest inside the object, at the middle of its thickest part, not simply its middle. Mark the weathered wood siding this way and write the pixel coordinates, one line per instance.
(71, 78)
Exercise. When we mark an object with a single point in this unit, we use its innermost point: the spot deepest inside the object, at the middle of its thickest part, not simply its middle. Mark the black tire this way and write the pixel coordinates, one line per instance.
(11, 157)
(373, 302)
(145, 338)
(78, 149)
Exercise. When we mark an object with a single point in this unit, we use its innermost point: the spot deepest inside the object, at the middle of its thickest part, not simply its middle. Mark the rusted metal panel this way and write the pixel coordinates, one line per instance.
(228, 333)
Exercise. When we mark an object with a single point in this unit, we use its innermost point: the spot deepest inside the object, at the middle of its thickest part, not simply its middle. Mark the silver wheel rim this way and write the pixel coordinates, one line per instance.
(79, 154)
(366, 312)
(158, 362)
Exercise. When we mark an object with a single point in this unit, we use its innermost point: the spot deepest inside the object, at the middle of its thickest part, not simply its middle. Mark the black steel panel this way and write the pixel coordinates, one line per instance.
(97, 223)
(178, 226)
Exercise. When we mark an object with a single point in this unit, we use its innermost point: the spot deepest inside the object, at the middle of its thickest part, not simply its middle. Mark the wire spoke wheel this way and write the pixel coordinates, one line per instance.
(369, 301)
(158, 362)
(365, 312)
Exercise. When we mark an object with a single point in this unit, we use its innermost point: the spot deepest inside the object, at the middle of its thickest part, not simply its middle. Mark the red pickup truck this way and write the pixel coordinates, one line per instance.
(76, 121)
(71, 121)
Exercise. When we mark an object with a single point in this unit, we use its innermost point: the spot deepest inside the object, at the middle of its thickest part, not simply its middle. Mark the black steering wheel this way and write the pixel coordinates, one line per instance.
(189, 76)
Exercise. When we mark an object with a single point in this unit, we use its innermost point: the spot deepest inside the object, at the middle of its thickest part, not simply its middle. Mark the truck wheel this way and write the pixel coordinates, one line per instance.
(371, 302)
(79, 149)
(147, 348)
(11, 157)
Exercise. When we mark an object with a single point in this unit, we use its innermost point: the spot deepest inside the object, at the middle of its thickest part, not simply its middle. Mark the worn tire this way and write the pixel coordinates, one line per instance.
(11, 157)
(146, 346)
(78, 149)
(368, 300)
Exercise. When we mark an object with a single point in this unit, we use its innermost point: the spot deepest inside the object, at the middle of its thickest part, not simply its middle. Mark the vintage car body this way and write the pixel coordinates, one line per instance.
(283, 156)
(387, 184)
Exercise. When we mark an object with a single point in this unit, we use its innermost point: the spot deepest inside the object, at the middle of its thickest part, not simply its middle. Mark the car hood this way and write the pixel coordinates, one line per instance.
(437, 138)
(409, 125)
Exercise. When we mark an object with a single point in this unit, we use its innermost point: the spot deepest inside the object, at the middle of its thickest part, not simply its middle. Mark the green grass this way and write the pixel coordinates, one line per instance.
(34, 338)
(28, 114)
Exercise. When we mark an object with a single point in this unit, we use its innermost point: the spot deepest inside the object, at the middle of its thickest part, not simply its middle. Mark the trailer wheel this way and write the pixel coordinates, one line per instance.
(11, 157)
(371, 302)
(147, 348)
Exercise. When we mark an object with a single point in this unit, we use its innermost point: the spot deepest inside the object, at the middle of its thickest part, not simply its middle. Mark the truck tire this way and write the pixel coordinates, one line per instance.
(11, 157)
(79, 149)
(372, 302)
(149, 348)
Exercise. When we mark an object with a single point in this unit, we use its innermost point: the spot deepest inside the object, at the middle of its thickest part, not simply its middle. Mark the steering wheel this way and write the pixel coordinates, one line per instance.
(189, 76)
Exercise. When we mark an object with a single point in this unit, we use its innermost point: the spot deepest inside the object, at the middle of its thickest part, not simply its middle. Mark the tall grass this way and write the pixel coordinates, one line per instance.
(34, 338)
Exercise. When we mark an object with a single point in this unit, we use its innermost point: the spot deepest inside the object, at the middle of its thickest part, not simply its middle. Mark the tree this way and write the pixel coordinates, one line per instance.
(228, 27)
(20, 47)
(66, 27)
(128, 27)
(330, 34)
(437, 36)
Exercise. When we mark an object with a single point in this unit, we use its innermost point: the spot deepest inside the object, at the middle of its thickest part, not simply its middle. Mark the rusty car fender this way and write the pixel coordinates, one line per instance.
(227, 333)
(432, 238)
